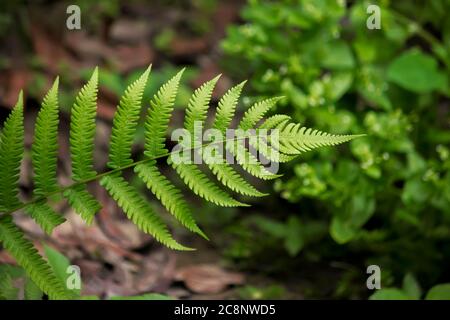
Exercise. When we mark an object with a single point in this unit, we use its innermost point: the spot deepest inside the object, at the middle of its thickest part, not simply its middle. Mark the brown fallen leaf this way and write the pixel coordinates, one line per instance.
(130, 57)
(156, 272)
(208, 70)
(208, 278)
(49, 49)
(15, 80)
(6, 258)
(119, 230)
(180, 46)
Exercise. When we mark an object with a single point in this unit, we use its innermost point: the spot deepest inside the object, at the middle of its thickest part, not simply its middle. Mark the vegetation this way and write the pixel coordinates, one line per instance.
(293, 140)
(386, 199)
(314, 226)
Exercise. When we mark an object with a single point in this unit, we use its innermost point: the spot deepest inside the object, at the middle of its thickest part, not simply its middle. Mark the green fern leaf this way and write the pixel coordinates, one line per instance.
(45, 146)
(28, 258)
(44, 157)
(202, 186)
(170, 196)
(138, 210)
(224, 172)
(192, 176)
(198, 106)
(233, 180)
(125, 121)
(7, 289)
(11, 153)
(156, 125)
(274, 121)
(82, 130)
(243, 157)
(227, 107)
(32, 291)
(256, 112)
(45, 216)
(82, 202)
(82, 133)
(295, 139)
(248, 161)
(158, 117)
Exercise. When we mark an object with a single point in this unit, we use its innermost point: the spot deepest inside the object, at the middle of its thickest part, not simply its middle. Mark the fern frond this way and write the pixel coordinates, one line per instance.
(125, 121)
(274, 121)
(256, 112)
(11, 153)
(233, 180)
(198, 105)
(291, 142)
(295, 139)
(32, 291)
(82, 134)
(7, 289)
(138, 210)
(45, 216)
(82, 130)
(45, 146)
(224, 172)
(29, 259)
(155, 132)
(158, 117)
(269, 151)
(170, 196)
(202, 186)
(192, 176)
(248, 161)
(82, 202)
(227, 107)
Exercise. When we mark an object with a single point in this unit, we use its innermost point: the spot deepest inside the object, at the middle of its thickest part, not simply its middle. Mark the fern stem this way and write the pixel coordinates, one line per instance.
(106, 173)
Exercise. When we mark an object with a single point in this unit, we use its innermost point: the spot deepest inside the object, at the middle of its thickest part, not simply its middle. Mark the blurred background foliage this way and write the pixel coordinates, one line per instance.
(383, 199)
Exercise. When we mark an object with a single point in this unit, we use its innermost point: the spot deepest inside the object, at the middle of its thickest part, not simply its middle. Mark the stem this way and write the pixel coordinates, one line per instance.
(427, 36)
(103, 174)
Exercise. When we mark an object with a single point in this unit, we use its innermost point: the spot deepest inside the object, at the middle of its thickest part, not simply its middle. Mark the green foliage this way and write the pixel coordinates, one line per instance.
(417, 72)
(45, 146)
(125, 121)
(265, 293)
(439, 292)
(388, 195)
(60, 264)
(11, 152)
(49, 276)
(411, 291)
(28, 257)
(13, 280)
(9, 290)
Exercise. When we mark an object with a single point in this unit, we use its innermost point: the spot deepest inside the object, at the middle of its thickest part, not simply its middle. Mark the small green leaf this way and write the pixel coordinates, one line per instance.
(411, 287)
(389, 294)
(147, 296)
(417, 72)
(294, 239)
(59, 264)
(439, 292)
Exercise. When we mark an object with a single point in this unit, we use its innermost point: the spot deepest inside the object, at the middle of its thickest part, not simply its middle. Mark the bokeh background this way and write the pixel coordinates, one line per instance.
(383, 199)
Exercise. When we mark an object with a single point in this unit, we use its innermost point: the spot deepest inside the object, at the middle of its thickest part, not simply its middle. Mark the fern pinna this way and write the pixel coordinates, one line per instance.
(293, 139)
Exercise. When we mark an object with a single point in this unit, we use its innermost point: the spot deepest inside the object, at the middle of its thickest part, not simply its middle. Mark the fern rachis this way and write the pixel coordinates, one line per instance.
(293, 140)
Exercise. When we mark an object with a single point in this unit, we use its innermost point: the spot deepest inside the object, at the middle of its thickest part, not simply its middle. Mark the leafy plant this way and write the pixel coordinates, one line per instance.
(14, 280)
(411, 291)
(388, 195)
(293, 141)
